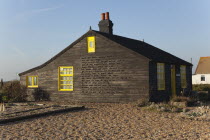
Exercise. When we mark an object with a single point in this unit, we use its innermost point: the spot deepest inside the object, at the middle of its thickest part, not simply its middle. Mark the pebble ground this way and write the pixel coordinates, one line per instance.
(107, 122)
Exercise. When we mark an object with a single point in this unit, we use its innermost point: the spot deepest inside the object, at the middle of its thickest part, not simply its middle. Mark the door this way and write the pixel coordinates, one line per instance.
(173, 80)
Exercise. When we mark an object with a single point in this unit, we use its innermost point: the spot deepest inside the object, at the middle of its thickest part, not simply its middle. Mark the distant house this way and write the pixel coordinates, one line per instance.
(103, 67)
(202, 73)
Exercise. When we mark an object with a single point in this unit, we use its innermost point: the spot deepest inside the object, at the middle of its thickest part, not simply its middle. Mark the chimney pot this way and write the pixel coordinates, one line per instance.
(107, 15)
(103, 16)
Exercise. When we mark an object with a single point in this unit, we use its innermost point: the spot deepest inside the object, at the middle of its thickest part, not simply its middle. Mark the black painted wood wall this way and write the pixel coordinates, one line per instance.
(165, 95)
(112, 74)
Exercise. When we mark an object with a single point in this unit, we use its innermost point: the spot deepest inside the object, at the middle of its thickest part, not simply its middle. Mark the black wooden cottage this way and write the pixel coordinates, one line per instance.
(103, 67)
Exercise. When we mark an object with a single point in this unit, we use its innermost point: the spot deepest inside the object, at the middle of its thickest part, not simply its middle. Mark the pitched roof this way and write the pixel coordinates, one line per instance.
(138, 46)
(146, 49)
(203, 66)
(57, 55)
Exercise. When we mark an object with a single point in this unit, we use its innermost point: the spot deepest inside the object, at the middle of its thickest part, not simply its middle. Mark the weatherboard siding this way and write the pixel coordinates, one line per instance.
(155, 94)
(165, 95)
(112, 74)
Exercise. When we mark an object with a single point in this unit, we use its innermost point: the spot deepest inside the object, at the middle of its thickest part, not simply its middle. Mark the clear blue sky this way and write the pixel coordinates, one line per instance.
(33, 31)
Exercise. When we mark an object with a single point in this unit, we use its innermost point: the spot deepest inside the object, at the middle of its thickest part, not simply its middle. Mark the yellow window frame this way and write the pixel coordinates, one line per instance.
(33, 85)
(183, 76)
(161, 76)
(91, 44)
(60, 74)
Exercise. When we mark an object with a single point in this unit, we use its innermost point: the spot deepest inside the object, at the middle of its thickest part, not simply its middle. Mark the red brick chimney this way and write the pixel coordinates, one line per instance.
(105, 25)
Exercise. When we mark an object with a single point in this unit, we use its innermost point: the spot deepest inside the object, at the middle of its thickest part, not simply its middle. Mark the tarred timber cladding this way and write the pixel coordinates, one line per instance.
(165, 95)
(189, 80)
(112, 74)
(155, 94)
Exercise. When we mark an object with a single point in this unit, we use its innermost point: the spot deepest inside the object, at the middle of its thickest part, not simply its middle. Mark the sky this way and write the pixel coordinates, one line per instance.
(33, 31)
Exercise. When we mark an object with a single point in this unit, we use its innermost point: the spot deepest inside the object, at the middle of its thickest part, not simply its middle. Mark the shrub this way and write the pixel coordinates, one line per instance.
(201, 87)
(40, 95)
(180, 99)
(184, 101)
(14, 92)
(3, 97)
(141, 102)
(202, 92)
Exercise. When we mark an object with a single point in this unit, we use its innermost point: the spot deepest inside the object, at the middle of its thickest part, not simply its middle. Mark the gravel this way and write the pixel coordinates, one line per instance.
(107, 121)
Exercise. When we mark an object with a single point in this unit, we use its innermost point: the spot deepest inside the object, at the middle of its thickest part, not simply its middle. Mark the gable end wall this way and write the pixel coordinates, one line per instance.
(112, 74)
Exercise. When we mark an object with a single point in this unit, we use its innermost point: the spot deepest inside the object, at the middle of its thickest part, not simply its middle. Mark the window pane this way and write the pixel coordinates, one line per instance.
(91, 44)
(160, 76)
(61, 72)
(63, 86)
(202, 77)
(35, 81)
(63, 82)
(66, 78)
(66, 70)
(69, 69)
(183, 76)
(29, 81)
(66, 86)
(66, 82)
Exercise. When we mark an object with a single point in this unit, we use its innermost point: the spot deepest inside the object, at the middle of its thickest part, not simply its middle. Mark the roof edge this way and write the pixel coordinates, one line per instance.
(109, 35)
(57, 55)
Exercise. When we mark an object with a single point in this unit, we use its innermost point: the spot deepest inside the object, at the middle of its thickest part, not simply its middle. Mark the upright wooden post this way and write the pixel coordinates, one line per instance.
(2, 107)
(1, 84)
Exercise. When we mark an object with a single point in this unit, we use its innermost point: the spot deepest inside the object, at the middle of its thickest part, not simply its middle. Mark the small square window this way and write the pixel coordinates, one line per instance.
(202, 77)
(32, 81)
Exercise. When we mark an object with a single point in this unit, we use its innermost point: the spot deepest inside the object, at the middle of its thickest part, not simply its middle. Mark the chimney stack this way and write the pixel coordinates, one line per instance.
(105, 25)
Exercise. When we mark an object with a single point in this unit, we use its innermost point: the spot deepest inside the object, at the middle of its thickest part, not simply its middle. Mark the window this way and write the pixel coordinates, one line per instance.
(91, 44)
(202, 77)
(161, 76)
(32, 81)
(183, 76)
(65, 82)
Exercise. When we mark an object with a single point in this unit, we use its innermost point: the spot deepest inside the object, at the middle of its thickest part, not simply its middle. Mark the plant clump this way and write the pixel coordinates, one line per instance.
(41, 95)
(198, 113)
(201, 92)
(13, 92)
(181, 99)
(162, 107)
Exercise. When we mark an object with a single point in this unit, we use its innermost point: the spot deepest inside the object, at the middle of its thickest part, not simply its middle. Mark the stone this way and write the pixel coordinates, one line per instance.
(162, 109)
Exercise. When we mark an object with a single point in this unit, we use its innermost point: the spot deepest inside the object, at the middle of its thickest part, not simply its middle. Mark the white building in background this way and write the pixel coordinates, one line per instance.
(202, 73)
